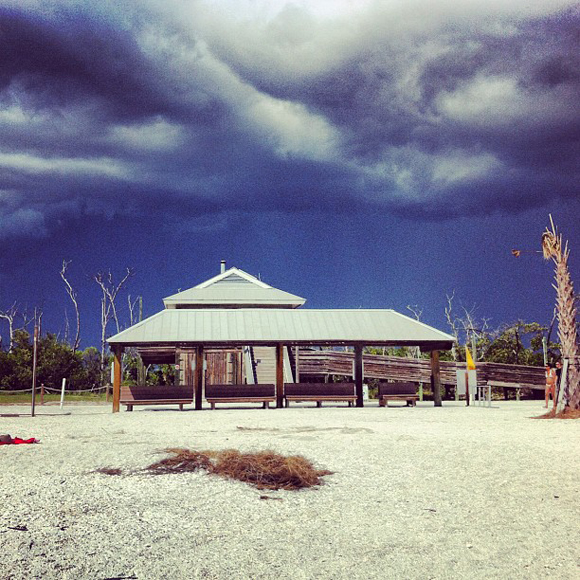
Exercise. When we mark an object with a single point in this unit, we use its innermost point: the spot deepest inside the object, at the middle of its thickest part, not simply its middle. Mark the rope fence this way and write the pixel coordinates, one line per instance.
(71, 391)
(51, 390)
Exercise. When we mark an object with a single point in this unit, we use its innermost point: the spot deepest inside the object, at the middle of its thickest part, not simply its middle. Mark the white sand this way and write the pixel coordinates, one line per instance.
(452, 492)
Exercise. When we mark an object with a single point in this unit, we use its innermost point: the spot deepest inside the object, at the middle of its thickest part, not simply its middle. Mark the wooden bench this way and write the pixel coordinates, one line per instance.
(397, 392)
(319, 392)
(149, 395)
(264, 394)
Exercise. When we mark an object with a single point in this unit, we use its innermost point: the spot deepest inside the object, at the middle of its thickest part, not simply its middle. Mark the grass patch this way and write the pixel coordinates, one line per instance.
(25, 398)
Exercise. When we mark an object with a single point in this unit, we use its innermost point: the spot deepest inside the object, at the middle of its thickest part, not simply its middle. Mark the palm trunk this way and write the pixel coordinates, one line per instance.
(566, 307)
(567, 330)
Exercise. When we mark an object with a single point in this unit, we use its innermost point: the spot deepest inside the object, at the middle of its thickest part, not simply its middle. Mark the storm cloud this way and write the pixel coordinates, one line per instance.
(445, 109)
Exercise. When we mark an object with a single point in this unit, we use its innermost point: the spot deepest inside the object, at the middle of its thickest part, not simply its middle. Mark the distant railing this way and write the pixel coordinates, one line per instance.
(321, 363)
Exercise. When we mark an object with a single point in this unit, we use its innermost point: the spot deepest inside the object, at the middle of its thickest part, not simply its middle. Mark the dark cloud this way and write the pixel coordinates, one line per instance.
(200, 110)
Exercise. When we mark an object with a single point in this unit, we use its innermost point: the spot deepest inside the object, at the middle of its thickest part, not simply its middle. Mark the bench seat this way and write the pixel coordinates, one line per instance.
(397, 392)
(319, 393)
(147, 395)
(264, 394)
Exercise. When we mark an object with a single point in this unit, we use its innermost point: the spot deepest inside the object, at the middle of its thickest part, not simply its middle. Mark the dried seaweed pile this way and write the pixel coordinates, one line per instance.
(565, 414)
(264, 470)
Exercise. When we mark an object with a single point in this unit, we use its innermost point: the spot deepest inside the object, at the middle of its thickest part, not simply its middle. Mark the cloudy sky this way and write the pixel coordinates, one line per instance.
(357, 153)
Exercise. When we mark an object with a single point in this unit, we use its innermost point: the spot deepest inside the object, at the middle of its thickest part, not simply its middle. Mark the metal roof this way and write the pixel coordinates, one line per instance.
(233, 288)
(244, 326)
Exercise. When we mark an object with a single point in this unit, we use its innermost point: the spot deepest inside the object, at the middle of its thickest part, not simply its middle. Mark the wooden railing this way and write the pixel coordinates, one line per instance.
(322, 363)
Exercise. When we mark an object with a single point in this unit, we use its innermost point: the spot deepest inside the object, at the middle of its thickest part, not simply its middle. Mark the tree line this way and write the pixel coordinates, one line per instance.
(516, 343)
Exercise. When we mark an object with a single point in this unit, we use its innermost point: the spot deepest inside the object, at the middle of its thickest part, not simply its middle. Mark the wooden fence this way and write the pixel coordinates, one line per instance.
(319, 364)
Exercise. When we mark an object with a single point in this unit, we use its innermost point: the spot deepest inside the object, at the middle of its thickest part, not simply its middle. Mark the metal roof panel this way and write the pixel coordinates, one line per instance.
(259, 325)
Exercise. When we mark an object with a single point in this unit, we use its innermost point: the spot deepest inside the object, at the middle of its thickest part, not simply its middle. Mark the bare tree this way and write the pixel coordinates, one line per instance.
(417, 313)
(109, 291)
(415, 310)
(453, 323)
(73, 296)
(10, 315)
(465, 327)
(132, 307)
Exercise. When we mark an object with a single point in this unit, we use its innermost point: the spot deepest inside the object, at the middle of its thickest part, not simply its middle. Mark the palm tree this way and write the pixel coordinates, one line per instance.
(566, 307)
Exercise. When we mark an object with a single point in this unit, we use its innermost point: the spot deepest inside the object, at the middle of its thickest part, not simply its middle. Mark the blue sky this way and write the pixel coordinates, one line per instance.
(373, 154)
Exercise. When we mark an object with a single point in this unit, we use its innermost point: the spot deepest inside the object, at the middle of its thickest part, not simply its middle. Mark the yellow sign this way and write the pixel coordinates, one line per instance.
(470, 363)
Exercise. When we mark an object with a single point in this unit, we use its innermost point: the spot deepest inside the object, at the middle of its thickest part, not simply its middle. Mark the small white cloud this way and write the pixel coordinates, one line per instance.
(105, 167)
(291, 129)
(462, 167)
(156, 135)
(407, 174)
(22, 222)
(483, 99)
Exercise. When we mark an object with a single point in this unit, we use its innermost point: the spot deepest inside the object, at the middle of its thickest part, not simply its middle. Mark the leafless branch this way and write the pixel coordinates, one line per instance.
(10, 316)
(132, 306)
(417, 312)
(73, 296)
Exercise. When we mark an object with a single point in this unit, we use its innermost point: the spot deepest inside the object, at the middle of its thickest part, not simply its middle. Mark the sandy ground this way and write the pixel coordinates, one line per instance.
(428, 492)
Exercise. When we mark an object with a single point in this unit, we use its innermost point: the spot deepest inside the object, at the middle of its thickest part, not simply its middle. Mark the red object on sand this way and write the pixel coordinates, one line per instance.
(18, 441)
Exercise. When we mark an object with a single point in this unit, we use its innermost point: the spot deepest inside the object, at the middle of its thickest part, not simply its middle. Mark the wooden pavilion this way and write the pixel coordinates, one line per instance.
(236, 313)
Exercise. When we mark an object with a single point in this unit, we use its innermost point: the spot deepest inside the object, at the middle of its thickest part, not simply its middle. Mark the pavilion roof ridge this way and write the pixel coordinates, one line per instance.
(236, 272)
(233, 288)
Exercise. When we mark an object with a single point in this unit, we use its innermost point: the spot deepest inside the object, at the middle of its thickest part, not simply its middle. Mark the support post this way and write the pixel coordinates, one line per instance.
(117, 354)
(297, 364)
(34, 359)
(198, 378)
(176, 378)
(435, 378)
(279, 376)
(358, 374)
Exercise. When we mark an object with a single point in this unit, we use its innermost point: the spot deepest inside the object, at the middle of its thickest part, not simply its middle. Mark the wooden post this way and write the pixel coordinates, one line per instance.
(435, 378)
(41, 394)
(62, 392)
(198, 378)
(358, 374)
(176, 378)
(279, 376)
(117, 354)
(420, 391)
(34, 359)
(297, 364)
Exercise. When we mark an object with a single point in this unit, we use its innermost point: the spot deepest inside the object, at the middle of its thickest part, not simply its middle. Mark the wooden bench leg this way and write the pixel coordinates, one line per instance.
(212, 406)
(381, 402)
(286, 403)
(319, 404)
(266, 405)
(129, 407)
(180, 407)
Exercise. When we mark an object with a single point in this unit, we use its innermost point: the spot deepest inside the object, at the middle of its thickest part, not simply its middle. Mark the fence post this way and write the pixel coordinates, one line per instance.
(62, 392)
